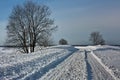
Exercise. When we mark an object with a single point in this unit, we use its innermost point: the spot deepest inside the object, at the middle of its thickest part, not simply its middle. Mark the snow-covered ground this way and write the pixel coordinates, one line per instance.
(61, 63)
(110, 56)
(73, 68)
(103, 62)
(98, 71)
(27, 66)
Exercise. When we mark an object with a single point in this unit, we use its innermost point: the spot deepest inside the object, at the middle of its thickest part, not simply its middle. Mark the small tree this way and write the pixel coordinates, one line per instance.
(97, 38)
(63, 42)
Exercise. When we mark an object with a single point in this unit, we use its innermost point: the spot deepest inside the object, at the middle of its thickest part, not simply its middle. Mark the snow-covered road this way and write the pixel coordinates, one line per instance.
(81, 65)
(58, 63)
(96, 70)
(73, 68)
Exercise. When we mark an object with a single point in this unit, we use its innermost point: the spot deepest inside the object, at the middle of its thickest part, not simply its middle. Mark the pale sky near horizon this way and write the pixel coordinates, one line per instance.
(76, 19)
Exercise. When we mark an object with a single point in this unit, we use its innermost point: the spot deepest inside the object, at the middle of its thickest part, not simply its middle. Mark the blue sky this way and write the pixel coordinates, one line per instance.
(76, 19)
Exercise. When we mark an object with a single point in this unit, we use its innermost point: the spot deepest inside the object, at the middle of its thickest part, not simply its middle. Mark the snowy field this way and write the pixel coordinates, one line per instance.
(61, 63)
(15, 65)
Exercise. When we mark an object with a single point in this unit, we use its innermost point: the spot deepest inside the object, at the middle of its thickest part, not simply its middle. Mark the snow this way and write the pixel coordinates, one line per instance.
(110, 56)
(102, 60)
(11, 57)
(73, 68)
(24, 66)
(108, 71)
(61, 63)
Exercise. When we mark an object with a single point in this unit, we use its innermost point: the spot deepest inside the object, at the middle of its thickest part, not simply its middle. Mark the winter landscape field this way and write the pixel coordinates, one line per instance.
(61, 63)
(60, 40)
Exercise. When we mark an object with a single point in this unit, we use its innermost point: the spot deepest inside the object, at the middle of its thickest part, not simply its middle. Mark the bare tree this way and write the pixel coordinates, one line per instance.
(27, 23)
(63, 42)
(45, 40)
(97, 38)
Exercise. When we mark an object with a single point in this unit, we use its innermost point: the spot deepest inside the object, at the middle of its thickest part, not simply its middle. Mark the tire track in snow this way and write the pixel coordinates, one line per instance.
(28, 66)
(88, 66)
(99, 72)
(38, 74)
(105, 67)
(73, 68)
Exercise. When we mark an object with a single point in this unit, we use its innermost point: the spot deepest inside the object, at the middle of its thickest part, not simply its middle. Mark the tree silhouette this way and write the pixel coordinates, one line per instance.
(27, 23)
(97, 38)
(63, 42)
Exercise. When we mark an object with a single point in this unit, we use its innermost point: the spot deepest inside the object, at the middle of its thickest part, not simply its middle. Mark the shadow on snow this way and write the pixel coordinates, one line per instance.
(89, 72)
(50, 66)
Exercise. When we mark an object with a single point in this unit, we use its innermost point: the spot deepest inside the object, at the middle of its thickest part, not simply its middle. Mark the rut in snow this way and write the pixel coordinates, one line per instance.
(89, 69)
(98, 71)
(48, 67)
